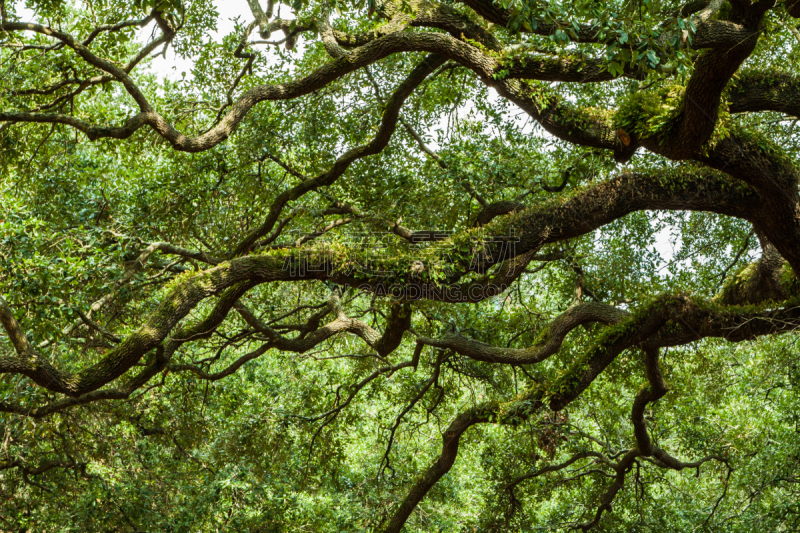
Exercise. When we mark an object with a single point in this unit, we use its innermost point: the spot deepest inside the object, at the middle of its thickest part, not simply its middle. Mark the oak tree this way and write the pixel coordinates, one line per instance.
(462, 265)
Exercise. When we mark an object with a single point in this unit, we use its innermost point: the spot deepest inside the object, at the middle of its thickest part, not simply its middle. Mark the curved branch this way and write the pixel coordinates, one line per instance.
(657, 388)
(83, 51)
(555, 468)
(765, 91)
(450, 441)
(703, 95)
(567, 388)
(595, 207)
(719, 34)
(554, 116)
(775, 176)
(381, 139)
(491, 211)
(548, 343)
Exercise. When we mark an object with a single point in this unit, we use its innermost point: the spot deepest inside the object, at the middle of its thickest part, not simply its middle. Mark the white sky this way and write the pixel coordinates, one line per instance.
(171, 67)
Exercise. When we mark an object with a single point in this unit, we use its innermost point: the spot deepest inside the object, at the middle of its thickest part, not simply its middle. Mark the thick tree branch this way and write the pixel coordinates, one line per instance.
(765, 91)
(548, 343)
(593, 208)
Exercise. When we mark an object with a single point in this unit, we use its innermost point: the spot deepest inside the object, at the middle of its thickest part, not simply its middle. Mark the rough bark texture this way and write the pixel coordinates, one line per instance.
(708, 166)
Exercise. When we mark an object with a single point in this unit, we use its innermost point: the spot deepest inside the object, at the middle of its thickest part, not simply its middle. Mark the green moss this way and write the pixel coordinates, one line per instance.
(517, 409)
(658, 114)
(651, 113)
(775, 79)
(598, 351)
(204, 277)
(789, 280)
(736, 282)
(543, 337)
(760, 142)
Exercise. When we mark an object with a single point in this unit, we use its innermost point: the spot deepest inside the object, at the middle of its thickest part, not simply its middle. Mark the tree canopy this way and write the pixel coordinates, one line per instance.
(419, 265)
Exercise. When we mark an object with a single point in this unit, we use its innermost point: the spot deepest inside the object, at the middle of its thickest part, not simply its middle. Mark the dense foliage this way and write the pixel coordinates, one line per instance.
(433, 266)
